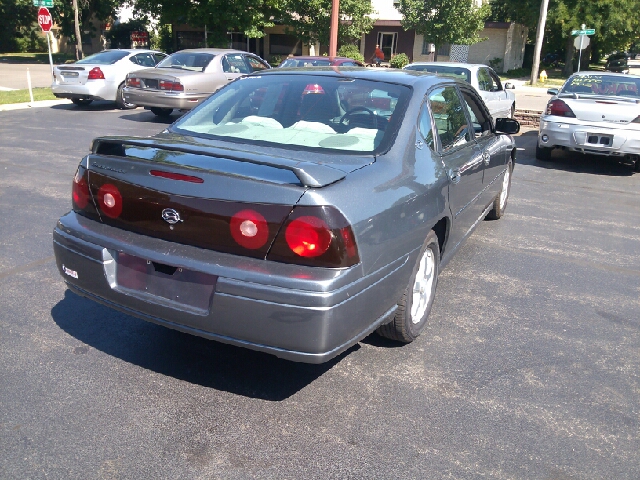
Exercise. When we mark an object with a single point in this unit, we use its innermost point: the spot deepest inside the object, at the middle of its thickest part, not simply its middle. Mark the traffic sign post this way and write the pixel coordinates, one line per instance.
(46, 22)
(43, 3)
(582, 40)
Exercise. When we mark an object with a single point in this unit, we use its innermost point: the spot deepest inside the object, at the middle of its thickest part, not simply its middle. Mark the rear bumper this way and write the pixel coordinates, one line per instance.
(597, 139)
(161, 99)
(297, 313)
(94, 90)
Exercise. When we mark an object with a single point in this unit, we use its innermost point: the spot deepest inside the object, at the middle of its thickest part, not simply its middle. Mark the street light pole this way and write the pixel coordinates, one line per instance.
(539, 37)
(333, 33)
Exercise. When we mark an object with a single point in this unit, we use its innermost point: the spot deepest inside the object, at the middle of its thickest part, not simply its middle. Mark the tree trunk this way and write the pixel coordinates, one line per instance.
(78, 37)
(568, 56)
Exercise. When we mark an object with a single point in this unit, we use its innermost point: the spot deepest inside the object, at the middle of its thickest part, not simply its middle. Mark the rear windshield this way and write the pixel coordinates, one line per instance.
(304, 112)
(293, 62)
(454, 72)
(106, 57)
(615, 85)
(187, 61)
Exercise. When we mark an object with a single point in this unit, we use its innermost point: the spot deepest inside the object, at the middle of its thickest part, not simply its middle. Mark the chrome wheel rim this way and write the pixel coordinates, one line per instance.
(423, 285)
(505, 188)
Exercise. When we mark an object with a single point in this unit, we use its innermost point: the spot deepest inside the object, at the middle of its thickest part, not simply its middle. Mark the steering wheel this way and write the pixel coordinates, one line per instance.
(355, 110)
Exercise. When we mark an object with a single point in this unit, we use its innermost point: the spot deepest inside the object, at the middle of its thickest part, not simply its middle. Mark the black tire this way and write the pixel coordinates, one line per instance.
(161, 112)
(120, 103)
(513, 111)
(636, 167)
(402, 328)
(543, 153)
(500, 202)
(81, 102)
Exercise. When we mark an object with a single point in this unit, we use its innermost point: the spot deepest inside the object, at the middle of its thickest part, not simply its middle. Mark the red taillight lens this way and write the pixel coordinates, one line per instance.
(313, 88)
(315, 236)
(80, 189)
(110, 200)
(173, 86)
(96, 74)
(308, 236)
(249, 229)
(133, 82)
(559, 108)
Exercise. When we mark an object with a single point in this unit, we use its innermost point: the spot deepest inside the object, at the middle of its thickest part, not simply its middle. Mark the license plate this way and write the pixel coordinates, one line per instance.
(151, 83)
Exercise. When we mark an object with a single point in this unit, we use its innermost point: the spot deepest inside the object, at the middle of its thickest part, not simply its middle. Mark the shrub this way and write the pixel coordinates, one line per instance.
(399, 61)
(275, 60)
(351, 51)
(496, 64)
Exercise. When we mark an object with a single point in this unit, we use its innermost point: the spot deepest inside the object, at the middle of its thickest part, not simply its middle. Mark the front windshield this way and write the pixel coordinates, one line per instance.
(597, 84)
(446, 71)
(106, 57)
(194, 61)
(302, 112)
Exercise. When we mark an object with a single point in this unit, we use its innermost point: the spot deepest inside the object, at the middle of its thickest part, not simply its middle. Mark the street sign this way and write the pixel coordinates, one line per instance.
(581, 42)
(43, 3)
(44, 19)
(584, 31)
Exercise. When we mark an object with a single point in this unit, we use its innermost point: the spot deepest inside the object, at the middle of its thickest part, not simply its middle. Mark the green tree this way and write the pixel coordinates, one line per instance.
(445, 21)
(18, 18)
(310, 20)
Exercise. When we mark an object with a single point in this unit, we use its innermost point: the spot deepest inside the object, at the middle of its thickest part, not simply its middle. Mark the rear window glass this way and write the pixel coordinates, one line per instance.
(107, 57)
(603, 85)
(302, 112)
(454, 72)
(187, 61)
(293, 62)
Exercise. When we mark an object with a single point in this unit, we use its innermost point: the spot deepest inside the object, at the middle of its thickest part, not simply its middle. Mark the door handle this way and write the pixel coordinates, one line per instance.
(486, 157)
(419, 144)
(454, 175)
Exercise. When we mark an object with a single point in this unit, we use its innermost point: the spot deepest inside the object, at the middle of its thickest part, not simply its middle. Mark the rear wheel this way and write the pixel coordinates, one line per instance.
(161, 112)
(500, 202)
(81, 102)
(543, 153)
(120, 102)
(416, 301)
(513, 110)
(636, 167)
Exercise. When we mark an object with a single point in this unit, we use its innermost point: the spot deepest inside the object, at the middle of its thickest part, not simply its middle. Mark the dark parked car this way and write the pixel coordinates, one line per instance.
(293, 212)
(617, 62)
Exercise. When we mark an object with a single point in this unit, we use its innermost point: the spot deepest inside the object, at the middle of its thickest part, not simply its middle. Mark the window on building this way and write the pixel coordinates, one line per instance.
(444, 50)
(427, 48)
(388, 42)
(280, 44)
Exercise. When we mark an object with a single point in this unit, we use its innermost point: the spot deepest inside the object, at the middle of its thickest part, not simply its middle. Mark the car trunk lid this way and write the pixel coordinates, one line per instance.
(603, 109)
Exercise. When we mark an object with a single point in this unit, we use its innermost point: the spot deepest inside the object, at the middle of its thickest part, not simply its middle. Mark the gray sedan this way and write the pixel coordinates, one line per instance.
(500, 101)
(293, 212)
(186, 78)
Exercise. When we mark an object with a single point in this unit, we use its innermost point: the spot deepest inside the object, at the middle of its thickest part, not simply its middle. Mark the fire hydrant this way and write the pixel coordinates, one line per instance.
(543, 76)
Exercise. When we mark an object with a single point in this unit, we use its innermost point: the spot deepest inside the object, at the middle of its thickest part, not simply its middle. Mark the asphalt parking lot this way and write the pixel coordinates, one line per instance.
(529, 368)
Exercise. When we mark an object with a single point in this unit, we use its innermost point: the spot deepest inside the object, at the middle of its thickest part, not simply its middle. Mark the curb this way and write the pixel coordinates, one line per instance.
(528, 118)
(39, 104)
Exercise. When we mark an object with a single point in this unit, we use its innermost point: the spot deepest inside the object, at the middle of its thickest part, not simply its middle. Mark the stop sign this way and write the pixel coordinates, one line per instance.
(44, 19)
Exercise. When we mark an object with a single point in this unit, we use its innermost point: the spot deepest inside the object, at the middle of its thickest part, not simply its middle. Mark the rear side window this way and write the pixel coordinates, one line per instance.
(485, 82)
(193, 61)
(108, 57)
(255, 64)
(450, 119)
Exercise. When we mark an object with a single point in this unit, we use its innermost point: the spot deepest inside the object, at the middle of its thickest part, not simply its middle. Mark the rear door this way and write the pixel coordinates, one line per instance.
(461, 156)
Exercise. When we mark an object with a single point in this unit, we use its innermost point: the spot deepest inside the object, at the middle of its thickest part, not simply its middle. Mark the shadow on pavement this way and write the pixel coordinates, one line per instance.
(142, 115)
(569, 161)
(185, 357)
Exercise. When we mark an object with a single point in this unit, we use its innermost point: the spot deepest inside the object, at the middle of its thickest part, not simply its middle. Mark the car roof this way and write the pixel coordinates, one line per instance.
(317, 57)
(450, 64)
(130, 50)
(391, 75)
(214, 51)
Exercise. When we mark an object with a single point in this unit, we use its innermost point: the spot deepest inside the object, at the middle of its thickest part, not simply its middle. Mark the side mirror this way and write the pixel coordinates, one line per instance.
(507, 125)
(553, 91)
(509, 86)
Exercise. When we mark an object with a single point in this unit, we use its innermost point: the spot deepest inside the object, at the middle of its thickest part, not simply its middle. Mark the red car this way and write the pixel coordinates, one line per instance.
(320, 62)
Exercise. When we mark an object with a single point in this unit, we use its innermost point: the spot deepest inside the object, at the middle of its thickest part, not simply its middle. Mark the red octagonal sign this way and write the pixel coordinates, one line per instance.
(44, 19)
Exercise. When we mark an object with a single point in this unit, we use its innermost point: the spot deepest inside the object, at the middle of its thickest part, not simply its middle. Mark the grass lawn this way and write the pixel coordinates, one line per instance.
(555, 78)
(22, 96)
(58, 58)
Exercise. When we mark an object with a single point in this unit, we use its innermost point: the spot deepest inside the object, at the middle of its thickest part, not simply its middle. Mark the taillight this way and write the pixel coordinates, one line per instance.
(133, 82)
(559, 108)
(173, 86)
(110, 200)
(96, 74)
(315, 236)
(249, 229)
(80, 189)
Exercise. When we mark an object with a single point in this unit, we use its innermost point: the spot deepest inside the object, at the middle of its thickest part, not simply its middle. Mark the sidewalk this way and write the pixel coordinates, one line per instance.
(39, 104)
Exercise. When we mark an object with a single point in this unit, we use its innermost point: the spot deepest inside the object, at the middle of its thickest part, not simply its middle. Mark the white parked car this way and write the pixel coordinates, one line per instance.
(594, 113)
(497, 97)
(101, 76)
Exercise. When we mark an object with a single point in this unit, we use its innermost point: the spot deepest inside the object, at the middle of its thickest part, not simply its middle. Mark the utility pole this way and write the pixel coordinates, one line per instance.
(78, 38)
(333, 33)
(539, 37)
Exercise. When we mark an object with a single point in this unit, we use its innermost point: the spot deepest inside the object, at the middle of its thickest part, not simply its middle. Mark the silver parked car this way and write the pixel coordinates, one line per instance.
(186, 78)
(500, 101)
(101, 76)
(595, 113)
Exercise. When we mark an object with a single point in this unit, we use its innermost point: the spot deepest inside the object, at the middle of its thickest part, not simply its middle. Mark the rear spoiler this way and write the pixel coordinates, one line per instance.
(309, 174)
